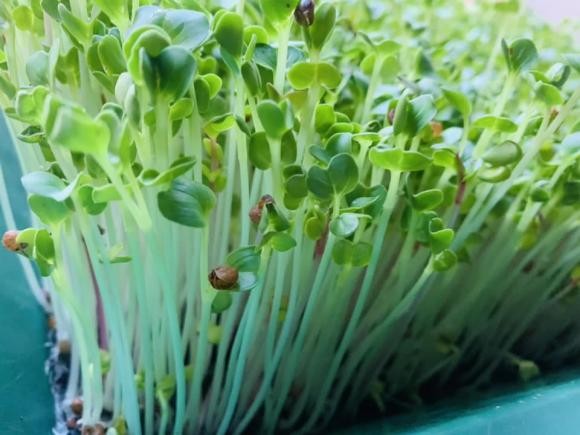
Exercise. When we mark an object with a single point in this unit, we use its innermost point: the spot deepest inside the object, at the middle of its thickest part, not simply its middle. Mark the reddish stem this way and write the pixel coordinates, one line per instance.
(101, 323)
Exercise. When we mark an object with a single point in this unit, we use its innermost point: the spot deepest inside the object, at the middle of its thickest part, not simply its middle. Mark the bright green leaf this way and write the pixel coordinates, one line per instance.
(428, 199)
(272, 119)
(280, 242)
(302, 74)
(277, 11)
(345, 225)
(322, 27)
(319, 183)
(259, 151)
(246, 259)
(503, 154)
(444, 261)
(187, 203)
(48, 210)
(343, 173)
(548, 94)
(496, 123)
(48, 185)
(494, 175)
(459, 101)
(229, 33)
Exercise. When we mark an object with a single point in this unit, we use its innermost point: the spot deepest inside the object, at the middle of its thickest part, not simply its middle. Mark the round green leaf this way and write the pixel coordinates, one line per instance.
(177, 169)
(522, 55)
(79, 30)
(186, 28)
(328, 75)
(361, 254)
(314, 227)
(115, 9)
(444, 261)
(319, 183)
(272, 118)
(23, 18)
(277, 11)
(259, 151)
(343, 173)
(93, 208)
(302, 74)
(459, 101)
(257, 32)
(296, 186)
(339, 143)
(276, 217)
(245, 259)
(345, 225)
(219, 124)
(75, 130)
(221, 302)
(252, 78)
(229, 33)
(445, 158)
(322, 27)
(504, 154)
(424, 111)
(494, 175)
(324, 117)
(176, 68)
(182, 109)
(280, 242)
(342, 252)
(111, 55)
(37, 68)
(440, 239)
(496, 123)
(558, 74)
(48, 185)
(548, 94)
(414, 161)
(187, 203)
(402, 122)
(428, 199)
(48, 210)
(214, 82)
(392, 159)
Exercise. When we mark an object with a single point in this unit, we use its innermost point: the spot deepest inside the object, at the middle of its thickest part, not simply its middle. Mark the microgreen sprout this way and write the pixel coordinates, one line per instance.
(252, 220)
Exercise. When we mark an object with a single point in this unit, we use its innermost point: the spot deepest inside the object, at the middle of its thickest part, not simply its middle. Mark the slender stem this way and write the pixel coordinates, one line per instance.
(372, 89)
(390, 202)
(145, 332)
(200, 356)
(286, 329)
(487, 135)
(282, 56)
(247, 337)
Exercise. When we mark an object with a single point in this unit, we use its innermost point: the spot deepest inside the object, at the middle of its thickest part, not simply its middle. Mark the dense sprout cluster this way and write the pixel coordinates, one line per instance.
(255, 217)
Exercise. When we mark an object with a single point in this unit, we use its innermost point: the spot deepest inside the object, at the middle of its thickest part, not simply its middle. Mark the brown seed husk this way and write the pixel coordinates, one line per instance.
(223, 278)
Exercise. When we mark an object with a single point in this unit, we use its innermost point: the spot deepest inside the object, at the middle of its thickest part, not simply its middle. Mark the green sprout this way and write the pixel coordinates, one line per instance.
(251, 220)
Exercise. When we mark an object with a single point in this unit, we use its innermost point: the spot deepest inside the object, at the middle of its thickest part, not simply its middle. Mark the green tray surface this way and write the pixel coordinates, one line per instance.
(26, 405)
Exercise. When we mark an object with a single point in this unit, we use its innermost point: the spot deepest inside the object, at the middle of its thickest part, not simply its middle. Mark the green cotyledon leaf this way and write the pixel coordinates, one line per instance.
(187, 203)
(277, 11)
(229, 33)
(393, 159)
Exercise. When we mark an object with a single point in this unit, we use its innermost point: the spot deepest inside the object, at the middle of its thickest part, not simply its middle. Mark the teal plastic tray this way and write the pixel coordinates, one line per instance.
(549, 407)
(26, 405)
